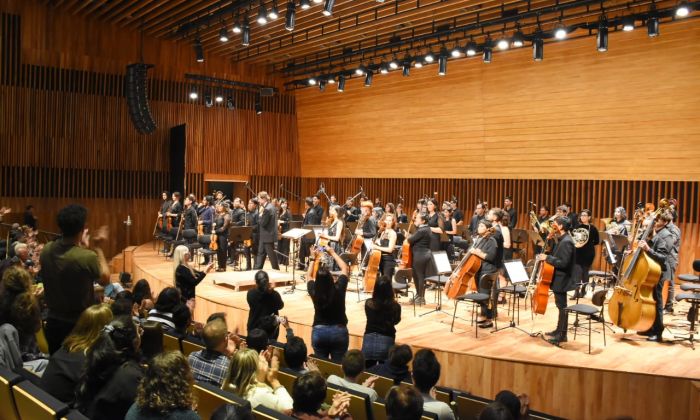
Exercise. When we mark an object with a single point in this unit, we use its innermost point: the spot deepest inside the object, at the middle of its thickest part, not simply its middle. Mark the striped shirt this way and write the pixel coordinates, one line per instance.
(165, 318)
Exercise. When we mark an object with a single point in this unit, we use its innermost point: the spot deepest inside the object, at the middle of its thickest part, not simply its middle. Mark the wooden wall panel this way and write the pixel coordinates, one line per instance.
(579, 114)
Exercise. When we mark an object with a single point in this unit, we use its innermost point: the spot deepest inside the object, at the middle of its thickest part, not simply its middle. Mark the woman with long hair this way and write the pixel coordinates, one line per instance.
(284, 217)
(222, 220)
(63, 372)
(486, 248)
(335, 228)
(422, 258)
(112, 373)
(263, 300)
(168, 300)
(186, 277)
(386, 243)
(436, 224)
(254, 377)
(19, 307)
(401, 216)
(329, 337)
(383, 313)
(165, 391)
(143, 297)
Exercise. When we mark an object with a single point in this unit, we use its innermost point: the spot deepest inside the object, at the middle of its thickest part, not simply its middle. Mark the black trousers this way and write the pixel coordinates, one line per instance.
(56, 331)
(422, 262)
(658, 327)
(387, 266)
(222, 242)
(486, 286)
(304, 250)
(283, 248)
(266, 249)
(562, 322)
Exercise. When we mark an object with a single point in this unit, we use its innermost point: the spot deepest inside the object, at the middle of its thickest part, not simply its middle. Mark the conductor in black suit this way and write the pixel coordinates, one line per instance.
(267, 225)
(563, 259)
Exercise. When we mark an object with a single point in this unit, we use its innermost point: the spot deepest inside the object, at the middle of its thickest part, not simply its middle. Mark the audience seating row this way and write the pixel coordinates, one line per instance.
(184, 345)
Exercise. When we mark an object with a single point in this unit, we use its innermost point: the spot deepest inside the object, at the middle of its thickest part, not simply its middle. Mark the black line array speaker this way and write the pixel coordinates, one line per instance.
(137, 97)
(178, 143)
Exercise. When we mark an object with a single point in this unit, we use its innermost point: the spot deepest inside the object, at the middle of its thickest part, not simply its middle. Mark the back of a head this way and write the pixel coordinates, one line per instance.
(383, 291)
(269, 324)
(233, 412)
(167, 299)
(309, 392)
(257, 340)
(89, 327)
(324, 289)
(242, 372)
(404, 402)
(217, 315)
(400, 355)
(16, 280)
(141, 291)
(295, 353)
(509, 400)
(495, 411)
(182, 317)
(151, 339)
(262, 280)
(166, 385)
(123, 304)
(426, 370)
(71, 220)
(214, 333)
(353, 363)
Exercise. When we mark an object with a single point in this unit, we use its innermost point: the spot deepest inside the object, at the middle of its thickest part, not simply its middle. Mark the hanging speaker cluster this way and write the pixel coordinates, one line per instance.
(137, 97)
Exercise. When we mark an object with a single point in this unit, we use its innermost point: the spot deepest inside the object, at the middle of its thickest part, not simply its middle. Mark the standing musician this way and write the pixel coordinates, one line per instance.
(585, 254)
(174, 212)
(401, 216)
(283, 219)
(620, 225)
(190, 214)
(543, 214)
(317, 206)
(386, 243)
(512, 213)
(335, 229)
(312, 216)
(267, 227)
(222, 222)
(164, 207)
(450, 230)
(367, 227)
(673, 257)
(238, 212)
(457, 213)
(351, 212)
(486, 248)
(219, 195)
(659, 249)
(571, 214)
(206, 217)
(252, 218)
(436, 224)
(479, 214)
(422, 258)
(563, 259)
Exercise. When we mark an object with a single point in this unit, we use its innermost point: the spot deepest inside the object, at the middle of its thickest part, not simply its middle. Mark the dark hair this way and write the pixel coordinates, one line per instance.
(324, 290)
(114, 348)
(182, 317)
(404, 402)
(166, 385)
(151, 339)
(233, 412)
(510, 401)
(495, 411)
(269, 324)
(123, 303)
(423, 216)
(167, 299)
(71, 219)
(353, 363)
(564, 222)
(587, 211)
(262, 280)
(141, 291)
(295, 352)
(383, 294)
(29, 207)
(545, 207)
(309, 202)
(400, 355)
(165, 192)
(505, 217)
(177, 194)
(426, 370)
(435, 203)
(308, 392)
(486, 223)
(257, 340)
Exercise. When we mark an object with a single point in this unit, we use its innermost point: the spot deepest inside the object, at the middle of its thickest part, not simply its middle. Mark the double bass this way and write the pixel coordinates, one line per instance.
(543, 272)
(461, 278)
(632, 304)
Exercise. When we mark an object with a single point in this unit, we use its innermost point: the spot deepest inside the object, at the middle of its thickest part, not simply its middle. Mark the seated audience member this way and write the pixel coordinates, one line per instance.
(182, 318)
(65, 366)
(396, 367)
(426, 373)
(309, 392)
(19, 307)
(162, 312)
(69, 268)
(112, 373)
(404, 402)
(257, 340)
(295, 354)
(254, 377)
(271, 325)
(165, 391)
(123, 304)
(211, 364)
(151, 340)
(233, 412)
(263, 301)
(510, 401)
(495, 411)
(143, 297)
(353, 364)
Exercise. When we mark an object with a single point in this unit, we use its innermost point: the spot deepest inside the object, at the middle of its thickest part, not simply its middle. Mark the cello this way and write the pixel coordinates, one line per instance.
(544, 273)
(406, 254)
(632, 304)
(460, 279)
(358, 239)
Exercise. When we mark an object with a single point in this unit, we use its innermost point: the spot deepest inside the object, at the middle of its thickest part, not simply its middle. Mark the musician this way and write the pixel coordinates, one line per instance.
(659, 249)
(586, 253)
(238, 212)
(386, 243)
(366, 227)
(335, 229)
(436, 224)
(267, 228)
(450, 230)
(206, 217)
(175, 210)
(222, 221)
(401, 216)
(390, 208)
(351, 212)
(563, 259)
(512, 213)
(422, 257)
(333, 201)
(479, 214)
(673, 260)
(164, 207)
(283, 219)
(486, 248)
(495, 215)
(620, 225)
(571, 214)
(190, 214)
(317, 207)
(543, 214)
(312, 216)
(219, 195)
(457, 213)
(251, 219)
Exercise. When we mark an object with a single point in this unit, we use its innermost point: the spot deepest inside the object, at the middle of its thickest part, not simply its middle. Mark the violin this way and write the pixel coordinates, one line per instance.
(214, 244)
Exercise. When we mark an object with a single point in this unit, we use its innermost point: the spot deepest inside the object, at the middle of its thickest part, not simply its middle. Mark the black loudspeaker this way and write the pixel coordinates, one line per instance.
(136, 87)
(177, 158)
(267, 92)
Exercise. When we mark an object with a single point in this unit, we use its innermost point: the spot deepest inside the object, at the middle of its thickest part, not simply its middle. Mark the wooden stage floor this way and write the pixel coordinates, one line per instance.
(628, 376)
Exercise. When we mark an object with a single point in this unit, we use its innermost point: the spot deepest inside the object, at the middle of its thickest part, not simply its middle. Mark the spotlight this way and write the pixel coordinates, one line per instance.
(341, 83)
(442, 63)
(208, 102)
(219, 98)
(361, 70)
(429, 57)
(602, 38)
(628, 24)
(503, 44)
(258, 105)
(262, 13)
(236, 27)
(538, 49)
(653, 26)
(230, 103)
(394, 64)
(368, 78)
(322, 85)
(274, 12)
(318, 1)
(383, 69)
(193, 93)
(198, 51)
(245, 38)
(331, 80)
(419, 62)
(291, 17)
(312, 81)
(560, 32)
(518, 39)
(223, 34)
(683, 9)
(328, 8)
(304, 4)
(471, 49)
(456, 52)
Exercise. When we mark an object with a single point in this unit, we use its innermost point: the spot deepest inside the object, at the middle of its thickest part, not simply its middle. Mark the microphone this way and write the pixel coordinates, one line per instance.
(696, 265)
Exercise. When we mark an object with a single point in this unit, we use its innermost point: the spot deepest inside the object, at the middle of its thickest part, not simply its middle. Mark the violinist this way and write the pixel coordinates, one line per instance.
(386, 243)
(335, 229)
(485, 247)
(366, 226)
(164, 207)
(351, 212)
(190, 214)
(175, 211)
(283, 222)
(206, 217)
(563, 259)
(222, 221)
(422, 258)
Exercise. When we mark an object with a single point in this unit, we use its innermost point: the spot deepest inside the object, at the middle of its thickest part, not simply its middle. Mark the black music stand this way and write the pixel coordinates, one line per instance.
(443, 266)
(518, 276)
(240, 234)
(292, 225)
(294, 235)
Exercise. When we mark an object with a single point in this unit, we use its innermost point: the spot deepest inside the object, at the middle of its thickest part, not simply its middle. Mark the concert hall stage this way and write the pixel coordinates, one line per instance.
(626, 377)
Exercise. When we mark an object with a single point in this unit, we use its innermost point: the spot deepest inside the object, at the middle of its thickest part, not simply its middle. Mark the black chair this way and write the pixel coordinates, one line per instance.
(694, 300)
(400, 284)
(477, 299)
(592, 312)
(204, 242)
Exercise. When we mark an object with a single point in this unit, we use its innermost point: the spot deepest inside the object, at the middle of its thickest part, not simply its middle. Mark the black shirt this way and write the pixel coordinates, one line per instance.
(351, 213)
(433, 222)
(513, 215)
(474, 224)
(458, 215)
(490, 248)
(190, 218)
(397, 373)
(498, 236)
(369, 229)
(115, 397)
(330, 313)
(187, 280)
(420, 240)
(586, 254)
(262, 304)
(63, 373)
(382, 318)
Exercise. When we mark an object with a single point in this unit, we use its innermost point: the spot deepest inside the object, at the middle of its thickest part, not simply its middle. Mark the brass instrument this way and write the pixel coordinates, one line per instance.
(541, 227)
(580, 236)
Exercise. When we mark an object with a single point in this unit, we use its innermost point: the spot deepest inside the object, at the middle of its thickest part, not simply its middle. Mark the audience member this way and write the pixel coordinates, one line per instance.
(233, 412)
(329, 336)
(186, 277)
(254, 377)
(257, 340)
(426, 373)
(383, 313)
(151, 340)
(404, 402)
(123, 304)
(353, 364)
(143, 297)
(211, 364)
(70, 267)
(66, 364)
(162, 312)
(112, 373)
(510, 401)
(295, 355)
(165, 391)
(396, 367)
(263, 300)
(495, 411)
(19, 307)
(309, 392)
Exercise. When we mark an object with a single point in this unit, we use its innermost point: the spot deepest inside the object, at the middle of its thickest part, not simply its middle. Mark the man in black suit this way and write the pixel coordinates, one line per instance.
(267, 225)
(563, 259)
(512, 213)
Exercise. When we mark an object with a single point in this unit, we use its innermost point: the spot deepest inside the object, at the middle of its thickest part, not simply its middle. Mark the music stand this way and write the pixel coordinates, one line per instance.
(443, 266)
(518, 275)
(294, 235)
(292, 225)
(240, 234)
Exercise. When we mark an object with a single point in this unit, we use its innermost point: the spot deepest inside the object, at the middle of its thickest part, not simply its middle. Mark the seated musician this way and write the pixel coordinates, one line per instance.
(485, 247)
(563, 259)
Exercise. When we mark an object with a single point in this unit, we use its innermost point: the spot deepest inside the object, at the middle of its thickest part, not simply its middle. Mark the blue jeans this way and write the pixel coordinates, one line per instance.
(376, 346)
(330, 341)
